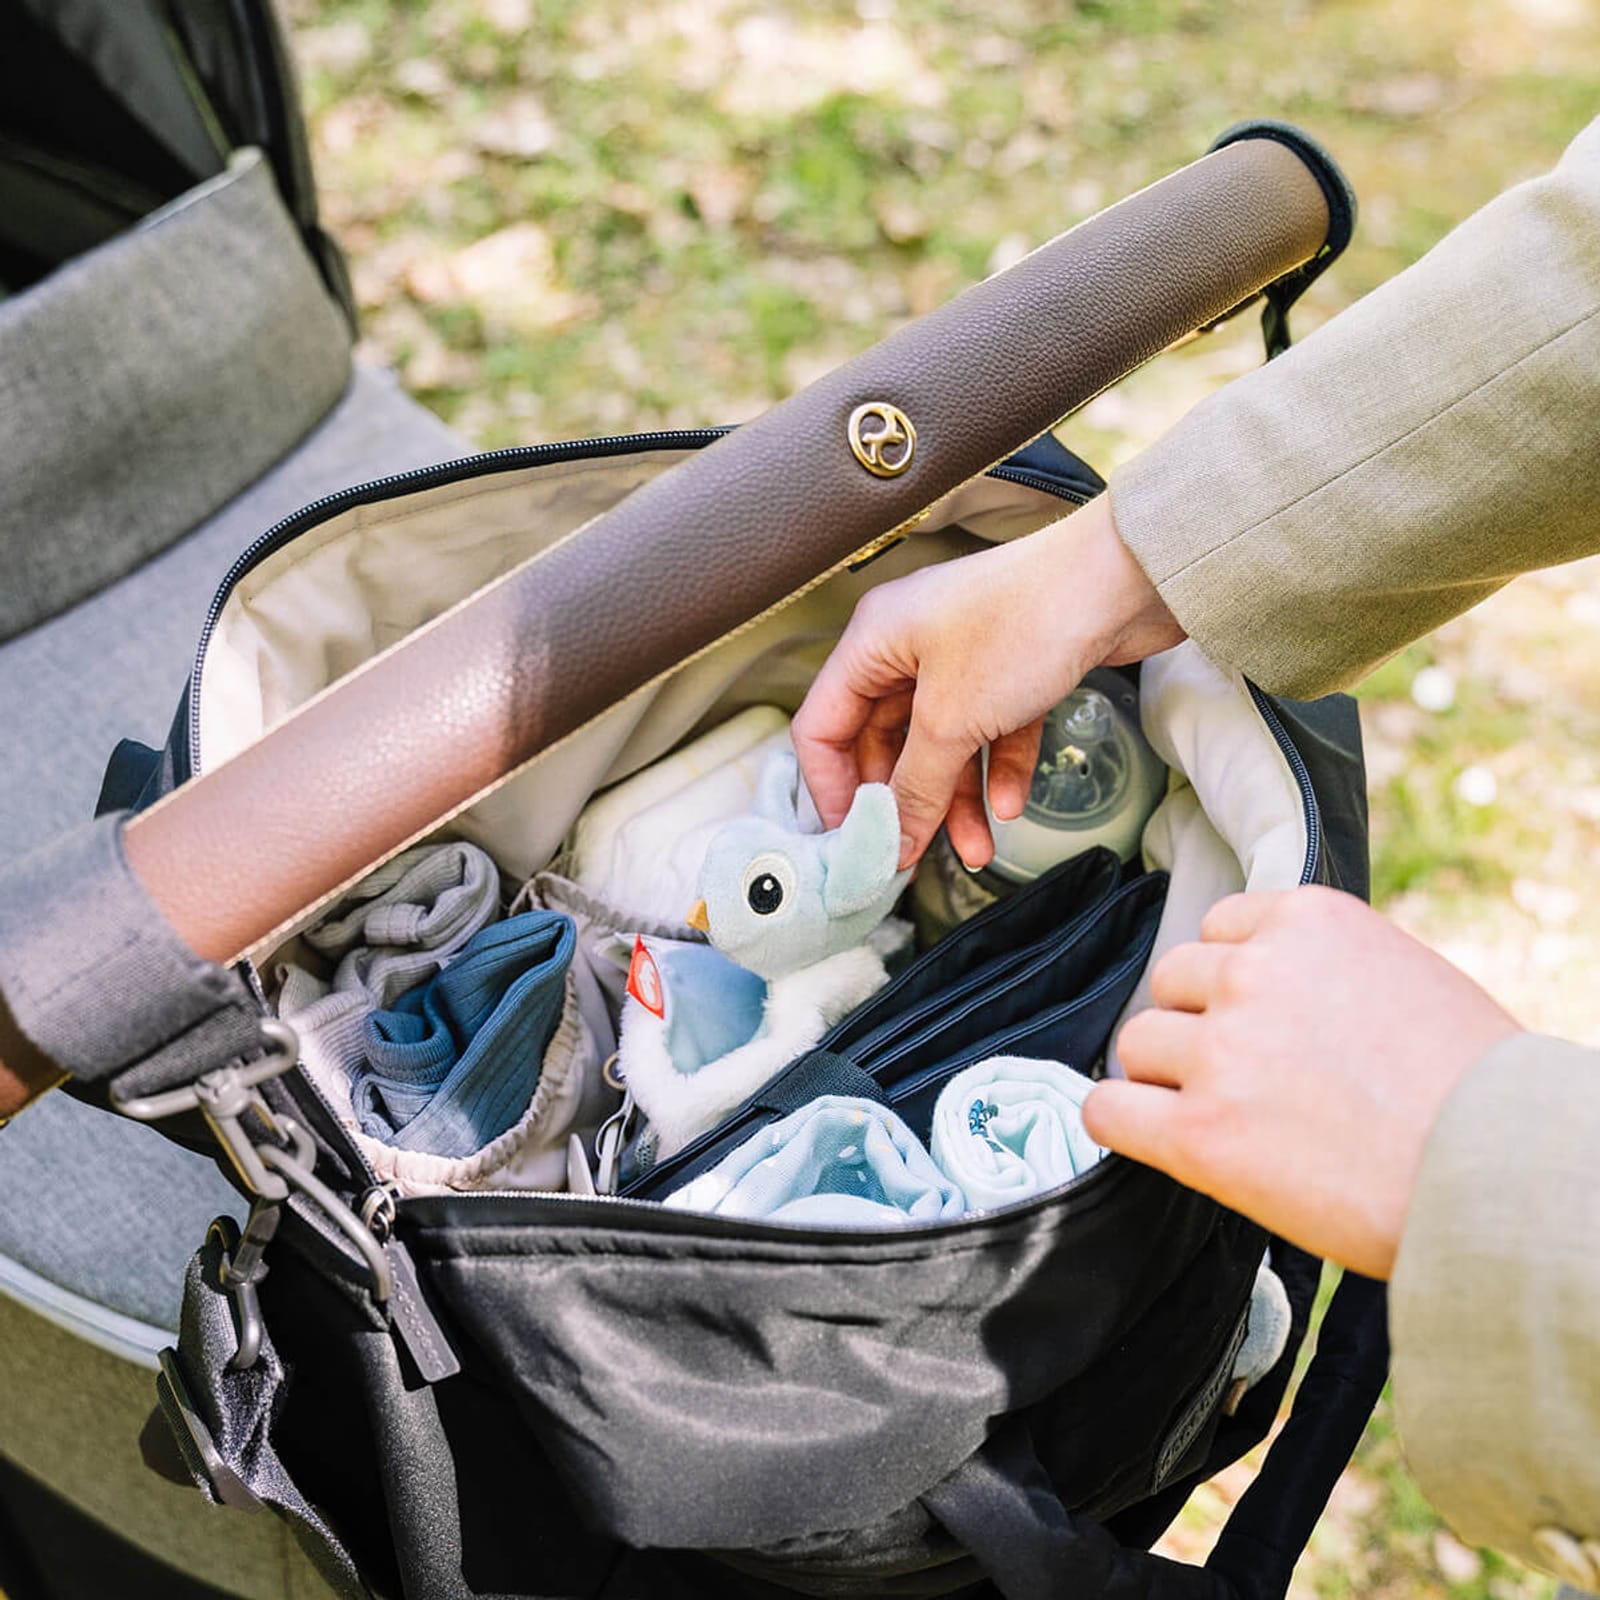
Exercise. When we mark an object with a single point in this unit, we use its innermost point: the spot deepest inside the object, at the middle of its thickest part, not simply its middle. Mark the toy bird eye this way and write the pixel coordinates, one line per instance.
(768, 884)
(765, 895)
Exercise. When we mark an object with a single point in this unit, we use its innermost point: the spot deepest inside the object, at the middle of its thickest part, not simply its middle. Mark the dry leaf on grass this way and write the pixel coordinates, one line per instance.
(520, 128)
(508, 277)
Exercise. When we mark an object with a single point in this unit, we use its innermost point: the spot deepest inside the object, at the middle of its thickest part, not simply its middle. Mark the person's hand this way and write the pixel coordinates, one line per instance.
(966, 653)
(1294, 1066)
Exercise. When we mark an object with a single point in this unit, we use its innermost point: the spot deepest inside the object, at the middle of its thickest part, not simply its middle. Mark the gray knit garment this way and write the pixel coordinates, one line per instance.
(395, 931)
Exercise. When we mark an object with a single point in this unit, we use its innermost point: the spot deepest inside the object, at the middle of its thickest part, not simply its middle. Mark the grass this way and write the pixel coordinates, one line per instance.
(571, 219)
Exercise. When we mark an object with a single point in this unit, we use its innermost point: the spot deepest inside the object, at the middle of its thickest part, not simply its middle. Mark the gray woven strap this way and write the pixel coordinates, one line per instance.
(222, 1421)
(97, 981)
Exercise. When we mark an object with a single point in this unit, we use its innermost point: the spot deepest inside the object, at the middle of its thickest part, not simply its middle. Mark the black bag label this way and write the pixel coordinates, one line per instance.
(1199, 1410)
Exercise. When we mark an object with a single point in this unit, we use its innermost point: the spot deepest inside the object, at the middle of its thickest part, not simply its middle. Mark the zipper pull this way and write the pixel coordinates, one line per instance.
(410, 1316)
(580, 1180)
(420, 1331)
(609, 1141)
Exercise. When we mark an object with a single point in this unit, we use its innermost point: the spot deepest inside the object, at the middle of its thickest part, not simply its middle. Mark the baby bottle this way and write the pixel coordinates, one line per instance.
(1096, 783)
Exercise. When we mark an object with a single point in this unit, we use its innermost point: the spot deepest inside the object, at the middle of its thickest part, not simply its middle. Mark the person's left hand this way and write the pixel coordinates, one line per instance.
(1294, 1065)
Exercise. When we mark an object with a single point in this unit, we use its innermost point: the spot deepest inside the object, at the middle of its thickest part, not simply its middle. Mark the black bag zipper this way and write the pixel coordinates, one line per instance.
(1308, 795)
(654, 1217)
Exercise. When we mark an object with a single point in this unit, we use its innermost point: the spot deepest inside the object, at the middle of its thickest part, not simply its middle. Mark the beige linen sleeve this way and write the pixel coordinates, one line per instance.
(1495, 1308)
(1426, 445)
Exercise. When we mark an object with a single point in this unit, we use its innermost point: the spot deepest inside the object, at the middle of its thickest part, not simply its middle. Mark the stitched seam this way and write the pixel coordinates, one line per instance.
(1373, 455)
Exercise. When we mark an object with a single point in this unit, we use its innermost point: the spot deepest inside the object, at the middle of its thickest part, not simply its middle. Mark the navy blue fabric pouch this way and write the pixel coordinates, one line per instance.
(1045, 971)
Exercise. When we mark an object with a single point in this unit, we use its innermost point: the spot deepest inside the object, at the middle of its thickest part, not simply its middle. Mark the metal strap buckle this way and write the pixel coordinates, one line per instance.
(225, 1096)
(241, 1266)
(272, 1154)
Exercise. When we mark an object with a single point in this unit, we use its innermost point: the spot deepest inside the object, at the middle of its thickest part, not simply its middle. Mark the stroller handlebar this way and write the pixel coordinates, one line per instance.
(417, 734)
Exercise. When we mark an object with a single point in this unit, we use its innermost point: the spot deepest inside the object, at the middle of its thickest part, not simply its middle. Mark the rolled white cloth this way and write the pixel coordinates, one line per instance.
(1267, 1336)
(638, 846)
(838, 1162)
(1012, 1126)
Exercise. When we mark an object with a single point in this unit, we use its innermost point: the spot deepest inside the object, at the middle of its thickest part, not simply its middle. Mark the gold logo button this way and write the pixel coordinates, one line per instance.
(882, 438)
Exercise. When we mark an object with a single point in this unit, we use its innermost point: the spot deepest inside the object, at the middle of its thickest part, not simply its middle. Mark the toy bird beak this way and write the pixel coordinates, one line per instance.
(697, 917)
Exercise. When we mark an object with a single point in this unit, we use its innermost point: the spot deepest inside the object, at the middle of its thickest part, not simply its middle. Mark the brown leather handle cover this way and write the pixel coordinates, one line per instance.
(411, 737)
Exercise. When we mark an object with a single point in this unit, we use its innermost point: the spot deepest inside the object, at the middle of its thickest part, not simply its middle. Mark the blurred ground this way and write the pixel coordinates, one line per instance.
(571, 219)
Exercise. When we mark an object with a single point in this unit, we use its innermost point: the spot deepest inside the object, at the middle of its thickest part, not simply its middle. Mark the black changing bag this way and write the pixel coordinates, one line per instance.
(516, 1393)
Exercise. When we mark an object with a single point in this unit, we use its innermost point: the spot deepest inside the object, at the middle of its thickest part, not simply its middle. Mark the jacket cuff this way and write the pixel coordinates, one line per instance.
(1175, 506)
(95, 980)
(1495, 1300)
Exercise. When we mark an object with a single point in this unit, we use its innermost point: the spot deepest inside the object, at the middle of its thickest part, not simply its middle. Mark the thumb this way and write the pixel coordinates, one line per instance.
(924, 782)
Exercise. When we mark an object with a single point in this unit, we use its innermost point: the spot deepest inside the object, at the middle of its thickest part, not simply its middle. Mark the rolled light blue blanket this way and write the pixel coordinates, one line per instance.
(453, 1064)
(1010, 1127)
(838, 1162)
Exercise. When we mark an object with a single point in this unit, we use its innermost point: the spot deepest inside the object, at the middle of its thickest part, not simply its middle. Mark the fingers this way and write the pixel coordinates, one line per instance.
(1161, 1046)
(1012, 759)
(827, 729)
(847, 730)
(827, 761)
(1135, 1120)
(967, 824)
(1187, 976)
(1143, 1116)
(926, 776)
(883, 737)
(1241, 916)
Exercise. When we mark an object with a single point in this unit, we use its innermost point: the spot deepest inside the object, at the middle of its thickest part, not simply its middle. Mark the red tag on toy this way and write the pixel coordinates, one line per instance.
(644, 980)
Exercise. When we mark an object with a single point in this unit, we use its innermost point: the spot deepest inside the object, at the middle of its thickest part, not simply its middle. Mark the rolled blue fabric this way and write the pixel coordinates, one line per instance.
(1011, 1127)
(395, 930)
(838, 1162)
(453, 1064)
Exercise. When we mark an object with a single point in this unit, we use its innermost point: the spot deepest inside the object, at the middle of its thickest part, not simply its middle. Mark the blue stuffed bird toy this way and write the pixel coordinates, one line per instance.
(790, 913)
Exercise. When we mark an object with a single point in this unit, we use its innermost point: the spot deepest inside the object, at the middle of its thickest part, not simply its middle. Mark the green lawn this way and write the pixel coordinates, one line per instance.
(571, 219)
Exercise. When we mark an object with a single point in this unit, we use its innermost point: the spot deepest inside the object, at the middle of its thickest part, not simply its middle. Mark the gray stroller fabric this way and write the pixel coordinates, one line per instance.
(146, 383)
(99, 1215)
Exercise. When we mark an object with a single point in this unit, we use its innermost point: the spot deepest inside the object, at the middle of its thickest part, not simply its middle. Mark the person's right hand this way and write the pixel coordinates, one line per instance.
(965, 653)
(1293, 1067)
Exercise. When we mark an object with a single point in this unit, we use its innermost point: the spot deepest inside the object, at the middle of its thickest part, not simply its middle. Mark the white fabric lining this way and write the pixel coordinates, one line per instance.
(342, 592)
